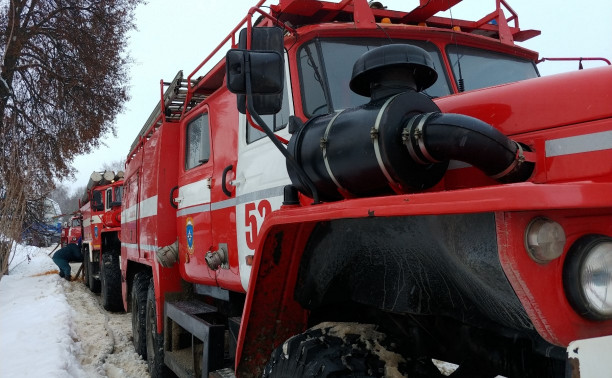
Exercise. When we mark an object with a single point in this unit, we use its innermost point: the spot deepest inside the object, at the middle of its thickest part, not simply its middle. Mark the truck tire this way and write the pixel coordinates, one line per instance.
(94, 283)
(155, 341)
(338, 350)
(86, 268)
(110, 280)
(140, 288)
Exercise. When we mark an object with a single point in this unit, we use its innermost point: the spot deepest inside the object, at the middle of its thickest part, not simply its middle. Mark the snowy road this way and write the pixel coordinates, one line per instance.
(53, 328)
(105, 338)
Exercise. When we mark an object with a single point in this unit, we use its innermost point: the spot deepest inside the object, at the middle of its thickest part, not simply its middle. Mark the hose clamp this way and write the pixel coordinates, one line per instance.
(324, 145)
(376, 142)
(518, 159)
(411, 132)
(420, 135)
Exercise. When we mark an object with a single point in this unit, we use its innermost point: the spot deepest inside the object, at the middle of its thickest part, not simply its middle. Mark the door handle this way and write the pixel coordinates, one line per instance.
(172, 202)
(224, 180)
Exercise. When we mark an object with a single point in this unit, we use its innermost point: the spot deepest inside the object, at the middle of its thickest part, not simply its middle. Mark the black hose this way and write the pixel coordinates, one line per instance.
(435, 137)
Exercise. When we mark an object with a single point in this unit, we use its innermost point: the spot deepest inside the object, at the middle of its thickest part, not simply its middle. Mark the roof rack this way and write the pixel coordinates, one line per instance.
(494, 25)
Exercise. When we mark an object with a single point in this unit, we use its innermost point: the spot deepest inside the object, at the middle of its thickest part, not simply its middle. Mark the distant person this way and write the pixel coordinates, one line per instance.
(64, 256)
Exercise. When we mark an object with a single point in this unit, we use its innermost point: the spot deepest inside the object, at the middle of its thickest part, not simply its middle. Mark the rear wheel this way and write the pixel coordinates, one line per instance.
(338, 350)
(110, 279)
(140, 288)
(155, 341)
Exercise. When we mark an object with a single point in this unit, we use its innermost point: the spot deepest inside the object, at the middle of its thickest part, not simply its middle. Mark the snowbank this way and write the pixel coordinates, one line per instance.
(37, 338)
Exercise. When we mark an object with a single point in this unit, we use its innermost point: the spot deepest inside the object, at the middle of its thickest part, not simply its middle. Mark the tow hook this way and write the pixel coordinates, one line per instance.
(217, 259)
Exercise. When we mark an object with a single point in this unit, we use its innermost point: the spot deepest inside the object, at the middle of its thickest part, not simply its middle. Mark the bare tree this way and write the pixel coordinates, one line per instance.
(62, 83)
(67, 198)
(115, 166)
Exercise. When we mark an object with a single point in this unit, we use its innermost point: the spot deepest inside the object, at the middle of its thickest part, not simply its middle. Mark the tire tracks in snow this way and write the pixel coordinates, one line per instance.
(104, 339)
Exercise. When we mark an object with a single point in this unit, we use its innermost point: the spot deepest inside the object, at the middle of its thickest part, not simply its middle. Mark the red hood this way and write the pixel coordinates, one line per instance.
(540, 103)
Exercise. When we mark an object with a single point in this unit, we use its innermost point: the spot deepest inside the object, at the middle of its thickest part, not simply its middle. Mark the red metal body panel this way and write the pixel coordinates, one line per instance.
(92, 226)
(508, 109)
(223, 118)
(191, 254)
(148, 218)
(540, 286)
(514, 205)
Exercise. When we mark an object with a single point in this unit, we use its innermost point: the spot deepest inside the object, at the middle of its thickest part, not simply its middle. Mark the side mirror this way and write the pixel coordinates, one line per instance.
(266, 70)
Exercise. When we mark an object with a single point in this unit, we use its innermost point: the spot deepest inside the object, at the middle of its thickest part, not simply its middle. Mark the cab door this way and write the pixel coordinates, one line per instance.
(194, 198)
(261, 175)
(130, 225)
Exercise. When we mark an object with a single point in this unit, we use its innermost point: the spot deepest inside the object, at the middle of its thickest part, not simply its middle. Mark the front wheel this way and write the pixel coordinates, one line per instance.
(93, 269)
(85, 268)
(338, 350)
(110, 280)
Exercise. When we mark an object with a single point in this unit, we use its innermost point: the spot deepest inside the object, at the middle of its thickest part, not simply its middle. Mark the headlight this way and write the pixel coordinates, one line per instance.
(587, 276)
(544, 240)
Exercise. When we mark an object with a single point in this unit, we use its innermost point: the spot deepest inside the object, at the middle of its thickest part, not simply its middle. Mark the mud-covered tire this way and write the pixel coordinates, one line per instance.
(94, 283)
(336, 350)
(140, 288)
(155, 341)
(85, 268)
(110, 282)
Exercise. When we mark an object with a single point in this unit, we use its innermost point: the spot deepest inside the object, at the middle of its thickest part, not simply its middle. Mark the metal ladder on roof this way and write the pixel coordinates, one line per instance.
(175, 104)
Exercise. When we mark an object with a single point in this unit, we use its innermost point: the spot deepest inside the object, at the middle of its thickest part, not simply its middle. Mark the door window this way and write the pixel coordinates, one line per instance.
(109, 198)
(197, 143)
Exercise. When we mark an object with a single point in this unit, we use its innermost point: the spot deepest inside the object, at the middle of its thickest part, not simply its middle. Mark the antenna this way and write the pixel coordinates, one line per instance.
(460, 82)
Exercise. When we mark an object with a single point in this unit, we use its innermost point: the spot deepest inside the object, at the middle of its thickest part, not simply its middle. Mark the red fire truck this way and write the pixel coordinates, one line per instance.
(100, 207)
(71, 230)
(359, 191)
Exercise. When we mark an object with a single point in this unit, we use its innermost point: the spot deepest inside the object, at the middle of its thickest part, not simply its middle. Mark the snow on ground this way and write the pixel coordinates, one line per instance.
(50, 327)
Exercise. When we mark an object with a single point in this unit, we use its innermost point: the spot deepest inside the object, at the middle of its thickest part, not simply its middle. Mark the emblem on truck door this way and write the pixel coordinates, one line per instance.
(189, 234)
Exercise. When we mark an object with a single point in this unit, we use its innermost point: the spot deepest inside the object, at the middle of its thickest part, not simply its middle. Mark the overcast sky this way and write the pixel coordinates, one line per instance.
(175, 35)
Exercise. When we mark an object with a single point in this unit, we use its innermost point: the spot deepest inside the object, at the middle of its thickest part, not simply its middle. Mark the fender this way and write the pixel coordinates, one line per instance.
(86, 248)
(285, 232)
(273, 278)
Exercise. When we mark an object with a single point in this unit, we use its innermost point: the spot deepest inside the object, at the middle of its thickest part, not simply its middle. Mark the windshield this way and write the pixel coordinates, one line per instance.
(118, 193)
(484, 68)
(326, 66)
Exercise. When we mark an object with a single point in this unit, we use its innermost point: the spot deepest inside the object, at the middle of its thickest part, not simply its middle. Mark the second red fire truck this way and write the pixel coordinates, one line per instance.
(359, 191)
(71, 230)
(100, 209)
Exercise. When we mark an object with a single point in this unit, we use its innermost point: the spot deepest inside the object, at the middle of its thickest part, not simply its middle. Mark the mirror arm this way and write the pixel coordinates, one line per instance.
(257, 127)
(272, 136)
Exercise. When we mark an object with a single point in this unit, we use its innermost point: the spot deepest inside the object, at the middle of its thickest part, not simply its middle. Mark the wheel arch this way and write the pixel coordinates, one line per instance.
(128, 278)
(272, 283)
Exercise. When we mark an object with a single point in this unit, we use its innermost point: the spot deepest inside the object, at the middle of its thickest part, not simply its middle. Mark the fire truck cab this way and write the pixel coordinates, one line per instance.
(72, 230)
(359, 190)
(101, 215)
